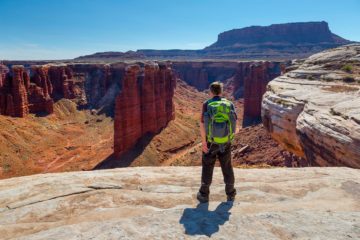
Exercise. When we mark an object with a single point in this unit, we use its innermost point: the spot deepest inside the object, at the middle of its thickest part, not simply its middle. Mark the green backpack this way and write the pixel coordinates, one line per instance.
(220, 121)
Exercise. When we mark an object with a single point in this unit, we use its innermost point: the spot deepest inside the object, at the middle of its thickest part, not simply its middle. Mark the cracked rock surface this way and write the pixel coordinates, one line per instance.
(314, 111)
(160, 203)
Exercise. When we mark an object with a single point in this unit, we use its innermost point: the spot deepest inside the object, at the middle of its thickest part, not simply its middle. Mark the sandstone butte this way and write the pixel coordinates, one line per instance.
(144, 105)
(314, 111)
(160, 203)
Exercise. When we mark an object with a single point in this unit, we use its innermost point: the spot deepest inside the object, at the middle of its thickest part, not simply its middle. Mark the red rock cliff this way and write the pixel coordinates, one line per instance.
(61, 77)
(101, 82)
(40, 90)
(21, 92)
(13, 92)
(144, 105)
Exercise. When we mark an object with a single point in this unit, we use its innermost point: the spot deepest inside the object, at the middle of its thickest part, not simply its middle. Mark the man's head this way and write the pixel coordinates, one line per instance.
(216, 88)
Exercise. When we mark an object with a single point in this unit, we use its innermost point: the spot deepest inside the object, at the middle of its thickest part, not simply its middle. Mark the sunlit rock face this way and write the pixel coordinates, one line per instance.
(144, 105)
(13, 92)
(314, 111)
(160, 203)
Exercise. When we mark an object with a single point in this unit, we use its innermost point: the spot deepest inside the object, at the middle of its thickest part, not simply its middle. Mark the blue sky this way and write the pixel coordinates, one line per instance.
(61, 29)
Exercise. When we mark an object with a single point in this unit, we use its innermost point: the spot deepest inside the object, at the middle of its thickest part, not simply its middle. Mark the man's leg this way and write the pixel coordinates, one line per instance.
(208, 163)
(228, 172)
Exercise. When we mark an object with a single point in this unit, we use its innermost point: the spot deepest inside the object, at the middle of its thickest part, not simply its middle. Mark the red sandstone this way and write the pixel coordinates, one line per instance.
(144, 106)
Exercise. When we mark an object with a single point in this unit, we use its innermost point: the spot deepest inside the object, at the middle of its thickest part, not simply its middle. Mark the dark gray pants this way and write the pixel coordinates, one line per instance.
(208, 163)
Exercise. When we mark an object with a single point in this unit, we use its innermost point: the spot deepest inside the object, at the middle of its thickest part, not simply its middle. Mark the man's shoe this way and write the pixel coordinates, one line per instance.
(231, 198)
(202, 198)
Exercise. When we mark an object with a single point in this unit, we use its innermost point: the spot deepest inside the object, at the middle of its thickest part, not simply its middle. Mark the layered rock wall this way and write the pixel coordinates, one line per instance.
(201, 74)
(35, 88)
(314, 111)
(101, 82)
(145, 104)
(248, 80)
(40, 91)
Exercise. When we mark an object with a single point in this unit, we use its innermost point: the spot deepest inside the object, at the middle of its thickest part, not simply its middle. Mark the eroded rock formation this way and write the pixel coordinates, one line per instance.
(145, 104)
(34, 89)
(100, 83)
(314, 111)
(40, 91)
(63, 83)
(13, 92)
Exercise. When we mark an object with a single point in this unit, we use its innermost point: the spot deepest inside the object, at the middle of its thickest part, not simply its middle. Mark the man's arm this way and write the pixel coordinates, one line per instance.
(203, 136)
(202, 129)
(236, 123)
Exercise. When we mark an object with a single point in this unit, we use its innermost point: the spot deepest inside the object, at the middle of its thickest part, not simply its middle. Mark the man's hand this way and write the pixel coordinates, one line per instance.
(205, 148)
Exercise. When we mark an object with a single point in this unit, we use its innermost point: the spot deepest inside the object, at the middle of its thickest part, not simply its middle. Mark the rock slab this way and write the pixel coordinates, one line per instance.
(314, 111)
(159, 203)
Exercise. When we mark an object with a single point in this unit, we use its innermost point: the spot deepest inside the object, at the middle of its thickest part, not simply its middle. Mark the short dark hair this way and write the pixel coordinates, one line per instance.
(216, 88)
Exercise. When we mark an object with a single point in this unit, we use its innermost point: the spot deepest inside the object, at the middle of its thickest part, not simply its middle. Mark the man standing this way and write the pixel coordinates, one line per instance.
(217, 128)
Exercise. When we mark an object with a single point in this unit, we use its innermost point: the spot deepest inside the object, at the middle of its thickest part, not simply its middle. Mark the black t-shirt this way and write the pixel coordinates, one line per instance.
(205, 104)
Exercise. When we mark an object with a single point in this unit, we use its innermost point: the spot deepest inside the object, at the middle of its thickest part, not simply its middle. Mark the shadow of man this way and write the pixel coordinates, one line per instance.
(201, 221)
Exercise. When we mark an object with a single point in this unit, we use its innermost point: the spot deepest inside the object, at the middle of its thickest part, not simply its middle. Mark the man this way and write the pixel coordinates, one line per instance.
(217, 128)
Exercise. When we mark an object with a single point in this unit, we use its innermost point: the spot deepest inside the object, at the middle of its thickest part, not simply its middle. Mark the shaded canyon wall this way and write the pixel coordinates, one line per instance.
(245, 80)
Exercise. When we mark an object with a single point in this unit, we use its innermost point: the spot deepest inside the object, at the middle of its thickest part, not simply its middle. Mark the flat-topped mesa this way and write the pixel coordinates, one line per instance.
(295, 33)
(314, 111)
(144, 105)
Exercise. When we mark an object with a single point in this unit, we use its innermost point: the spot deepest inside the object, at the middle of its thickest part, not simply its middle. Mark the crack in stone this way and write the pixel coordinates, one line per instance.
(104, 188)
(49, 199)
(90, 189)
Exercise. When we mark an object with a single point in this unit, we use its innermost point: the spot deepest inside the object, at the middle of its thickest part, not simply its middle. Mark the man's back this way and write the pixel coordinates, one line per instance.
(217, 127)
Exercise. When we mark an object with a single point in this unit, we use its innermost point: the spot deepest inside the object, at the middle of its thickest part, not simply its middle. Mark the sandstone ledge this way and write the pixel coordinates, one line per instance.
(314, 111)
(159, 203)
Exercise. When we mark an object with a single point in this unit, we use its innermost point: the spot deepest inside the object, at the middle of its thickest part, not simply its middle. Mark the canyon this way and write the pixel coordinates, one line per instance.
(245, 80)
(127, 112)
(97, 112)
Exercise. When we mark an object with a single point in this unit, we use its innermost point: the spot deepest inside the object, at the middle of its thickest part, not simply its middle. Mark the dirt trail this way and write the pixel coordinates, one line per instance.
(181, 154)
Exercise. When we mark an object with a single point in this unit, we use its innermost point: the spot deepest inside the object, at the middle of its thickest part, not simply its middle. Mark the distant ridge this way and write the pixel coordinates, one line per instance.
(274, 42)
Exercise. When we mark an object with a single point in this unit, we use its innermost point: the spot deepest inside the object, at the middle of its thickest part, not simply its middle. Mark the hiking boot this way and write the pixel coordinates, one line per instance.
(231, 198)
(202, 198)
